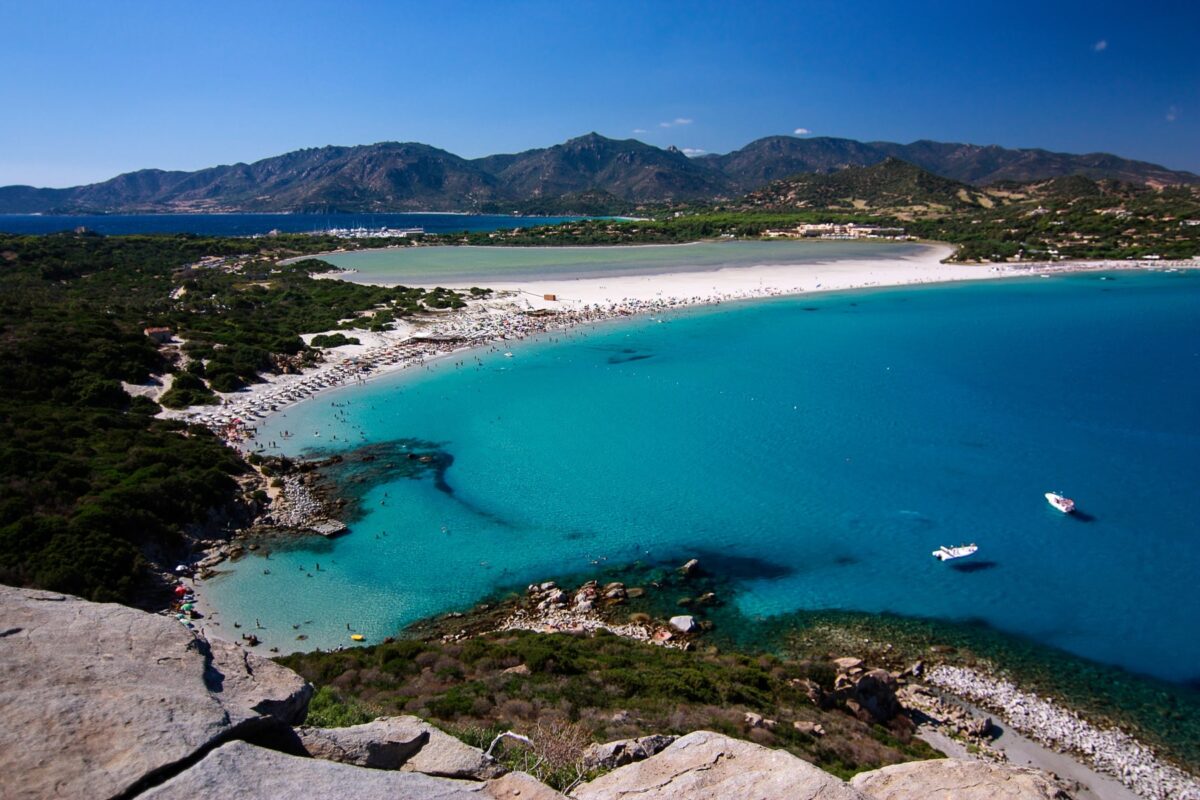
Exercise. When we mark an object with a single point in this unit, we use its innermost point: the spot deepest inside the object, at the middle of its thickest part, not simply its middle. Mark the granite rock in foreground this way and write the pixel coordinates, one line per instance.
(244, 771)
(407, 743)
(709, 765)
(954, 779)
(95, 698)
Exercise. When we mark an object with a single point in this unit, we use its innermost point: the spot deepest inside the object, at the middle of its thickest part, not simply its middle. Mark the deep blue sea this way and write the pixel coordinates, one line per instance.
(251, 224)
(835, 440)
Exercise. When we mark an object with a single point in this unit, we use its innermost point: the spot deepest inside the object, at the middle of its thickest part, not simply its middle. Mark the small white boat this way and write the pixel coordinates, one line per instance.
(1064, 504)
(944, 553)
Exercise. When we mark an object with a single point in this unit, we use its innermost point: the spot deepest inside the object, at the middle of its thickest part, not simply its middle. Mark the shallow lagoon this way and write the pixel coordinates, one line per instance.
(460, 265)
(835, 440)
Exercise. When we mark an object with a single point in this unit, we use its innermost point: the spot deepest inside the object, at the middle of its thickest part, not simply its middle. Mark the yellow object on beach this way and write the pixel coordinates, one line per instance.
(358, 637)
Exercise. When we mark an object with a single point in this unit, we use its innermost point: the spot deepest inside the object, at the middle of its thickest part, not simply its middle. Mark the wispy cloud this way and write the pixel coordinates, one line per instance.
(675, 122)
(640, 130)
(693, 151)
(1100, 46)
(1173, 113)
(801, 131)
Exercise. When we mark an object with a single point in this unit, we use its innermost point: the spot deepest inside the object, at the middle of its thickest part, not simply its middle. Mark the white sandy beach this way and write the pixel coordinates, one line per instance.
(505, 317)
(752, 281)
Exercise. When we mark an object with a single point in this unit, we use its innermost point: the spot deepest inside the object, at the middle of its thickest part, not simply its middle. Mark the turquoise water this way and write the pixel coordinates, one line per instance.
(459, 265)
(830, 441)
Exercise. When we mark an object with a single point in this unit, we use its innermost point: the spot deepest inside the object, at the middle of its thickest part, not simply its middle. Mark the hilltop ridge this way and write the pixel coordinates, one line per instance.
(590, 172)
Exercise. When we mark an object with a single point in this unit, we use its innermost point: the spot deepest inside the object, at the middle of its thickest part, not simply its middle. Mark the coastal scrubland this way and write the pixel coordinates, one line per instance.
(1071, 217)
(607, 686)
(94, 484)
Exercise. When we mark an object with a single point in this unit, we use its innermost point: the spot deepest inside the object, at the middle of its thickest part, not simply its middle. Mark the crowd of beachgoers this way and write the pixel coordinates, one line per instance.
(483, 324)
(512, 316)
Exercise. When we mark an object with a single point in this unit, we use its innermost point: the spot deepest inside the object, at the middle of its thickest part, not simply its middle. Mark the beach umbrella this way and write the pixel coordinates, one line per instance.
(187, 606)
(180, 590)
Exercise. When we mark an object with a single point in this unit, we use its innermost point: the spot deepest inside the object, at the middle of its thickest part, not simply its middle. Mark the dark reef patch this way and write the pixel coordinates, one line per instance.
(344, 478)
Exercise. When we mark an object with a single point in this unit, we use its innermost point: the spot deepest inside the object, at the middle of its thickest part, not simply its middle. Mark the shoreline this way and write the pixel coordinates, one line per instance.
(516, 315)
(510, 316)
(953, 706)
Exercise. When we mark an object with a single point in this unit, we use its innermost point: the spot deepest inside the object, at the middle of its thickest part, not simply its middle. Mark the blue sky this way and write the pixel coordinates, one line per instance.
(92, 89)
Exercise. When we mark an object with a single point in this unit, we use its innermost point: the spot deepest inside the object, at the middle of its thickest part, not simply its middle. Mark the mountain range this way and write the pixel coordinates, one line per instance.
(588, 174)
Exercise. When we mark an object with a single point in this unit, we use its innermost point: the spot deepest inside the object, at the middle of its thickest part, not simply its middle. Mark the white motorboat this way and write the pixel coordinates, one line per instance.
(1064, 504)
(944, 553)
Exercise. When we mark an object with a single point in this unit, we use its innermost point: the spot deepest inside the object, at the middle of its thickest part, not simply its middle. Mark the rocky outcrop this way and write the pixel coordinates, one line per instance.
(407, 743)
(871, 696)
(247, 772)
(380, 744)
(624, 751)
(442, 754)
(954, 779)
(709, 765)
(97, 699)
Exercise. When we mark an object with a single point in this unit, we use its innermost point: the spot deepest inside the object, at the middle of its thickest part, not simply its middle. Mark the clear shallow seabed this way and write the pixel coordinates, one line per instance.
(837, 439)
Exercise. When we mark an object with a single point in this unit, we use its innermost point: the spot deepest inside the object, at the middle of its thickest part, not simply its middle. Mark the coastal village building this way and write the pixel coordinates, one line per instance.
(833, 230)
(158, 335)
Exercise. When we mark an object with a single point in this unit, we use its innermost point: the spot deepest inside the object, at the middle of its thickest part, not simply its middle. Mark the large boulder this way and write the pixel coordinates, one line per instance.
(97, 699)
(870, 695)
(243, 771)
(709, 765)
(955, 779)
(407, 743)
(624, 751)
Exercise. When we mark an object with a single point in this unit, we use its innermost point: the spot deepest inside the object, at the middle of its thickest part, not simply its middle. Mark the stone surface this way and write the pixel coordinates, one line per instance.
(709, 765)
(624, 751)
(380, 744)
(443, 755)
(953, 779)
(520, 786)
(683, 623)
(810, 728)
(243, 771)
(95, 697)
(875, 692)
(407, 743)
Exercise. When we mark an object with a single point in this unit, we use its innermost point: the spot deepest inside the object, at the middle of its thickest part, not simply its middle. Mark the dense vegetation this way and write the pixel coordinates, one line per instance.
(609, 687)
(93, 484)
(1064, 218)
